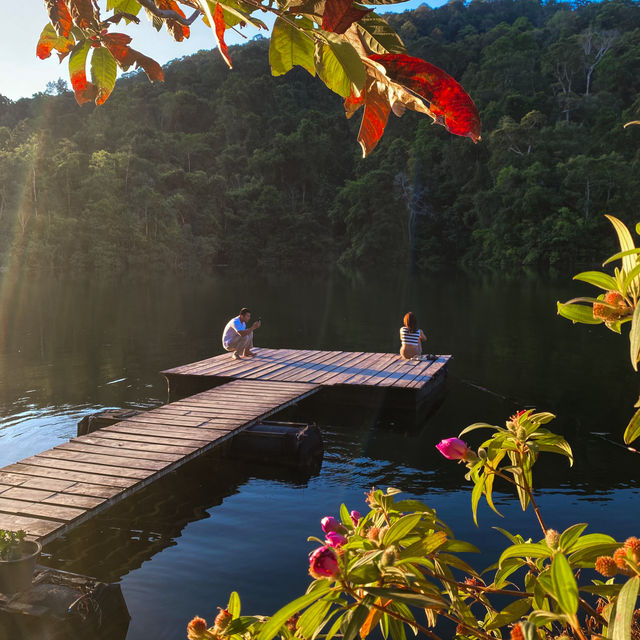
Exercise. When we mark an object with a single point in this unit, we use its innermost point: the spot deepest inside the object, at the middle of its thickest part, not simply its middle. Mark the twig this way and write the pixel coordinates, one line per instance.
(168, 14)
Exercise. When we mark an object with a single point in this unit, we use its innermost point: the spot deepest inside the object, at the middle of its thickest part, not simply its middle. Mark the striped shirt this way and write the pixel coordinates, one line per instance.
(409, 337)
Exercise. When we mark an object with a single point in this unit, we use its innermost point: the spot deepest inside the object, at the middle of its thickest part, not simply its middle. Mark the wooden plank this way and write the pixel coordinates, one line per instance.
(33, 526)
(431, 372)
(153, 418)
(126, 445)
(267, 369)
(151, 439)
(196, 437)
(395, 371)
(242, 368)
(93, 490)
(62, 474)
(55, 463)
(17, 480)
(354, 368)
(75, 445)
(63, 499)
(373, 370)
(38, 510)
(325, 365)
(297, 370)
(337, 369)
(336, 364)
(101, 459)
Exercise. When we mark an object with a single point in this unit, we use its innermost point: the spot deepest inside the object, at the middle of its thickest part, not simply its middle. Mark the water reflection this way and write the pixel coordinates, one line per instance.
(69, 348)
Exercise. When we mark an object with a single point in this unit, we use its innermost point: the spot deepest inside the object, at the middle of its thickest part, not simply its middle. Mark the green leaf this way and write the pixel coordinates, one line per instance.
(290, 46)
(626, 244)
(525, 550)
(541, 618)
(356, 620)
(240, 625)
(479, 425)
(401, 528)
(233, 607)
(475, 496)
(629, 279)
(460, 546)
(510, 613)
(378, 35)
(276, 621)
(421, 600)
(103, 72)
(312, 617)
(570, 536)
(124, 6)
(412, 506)
(424, 547)
(587, 556)
(565, 589)
(621, 254)
(622, 614)
(598, 279)
(510, 536)
(344, 516)
(634, 338)
(339, 65)
(577, 313)
(632, 432)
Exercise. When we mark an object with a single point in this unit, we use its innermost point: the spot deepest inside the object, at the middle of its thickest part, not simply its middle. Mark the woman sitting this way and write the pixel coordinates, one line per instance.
(411, 337)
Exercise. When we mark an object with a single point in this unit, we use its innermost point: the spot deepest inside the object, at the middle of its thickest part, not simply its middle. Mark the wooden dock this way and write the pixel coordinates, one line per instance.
(53, 491)
(364, 370)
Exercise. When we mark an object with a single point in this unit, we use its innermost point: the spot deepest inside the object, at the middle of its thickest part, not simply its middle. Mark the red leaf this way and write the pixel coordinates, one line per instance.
(339, 15)
(448, 101)
(177, 30)
(374, 118)
(84, 90)
(117, 43)
(82, 13)
(59, 17)
(50, 40)
(220, 25)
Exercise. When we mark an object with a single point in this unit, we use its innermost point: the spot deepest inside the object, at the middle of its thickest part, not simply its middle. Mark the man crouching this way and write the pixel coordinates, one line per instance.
(237, 338)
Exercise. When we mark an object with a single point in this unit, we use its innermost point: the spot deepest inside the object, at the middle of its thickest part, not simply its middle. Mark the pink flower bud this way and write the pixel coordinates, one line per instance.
(355, 517)
(329, 523)
(334, 539)
(323, 563)
(454, 449)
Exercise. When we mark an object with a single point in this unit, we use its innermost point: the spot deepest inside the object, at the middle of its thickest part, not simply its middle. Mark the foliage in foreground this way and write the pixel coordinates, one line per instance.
(398, 567)
(353, 51)
(617, 306)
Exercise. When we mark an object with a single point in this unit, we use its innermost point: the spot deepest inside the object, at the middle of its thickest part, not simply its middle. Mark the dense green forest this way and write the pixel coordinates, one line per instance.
(217, 167)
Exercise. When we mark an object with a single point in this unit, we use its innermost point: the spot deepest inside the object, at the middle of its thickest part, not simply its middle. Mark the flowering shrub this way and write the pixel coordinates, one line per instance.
(617, 305)
(398, 567)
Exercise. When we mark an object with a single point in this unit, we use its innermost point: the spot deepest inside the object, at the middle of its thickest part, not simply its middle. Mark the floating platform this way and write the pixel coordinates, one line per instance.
(51, 492)
(411, 380)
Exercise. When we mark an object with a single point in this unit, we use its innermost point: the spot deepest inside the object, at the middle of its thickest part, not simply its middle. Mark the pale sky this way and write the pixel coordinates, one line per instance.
(22, 74)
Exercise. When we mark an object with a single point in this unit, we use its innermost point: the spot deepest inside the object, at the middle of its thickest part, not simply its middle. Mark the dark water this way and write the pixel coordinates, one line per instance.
(69, 347)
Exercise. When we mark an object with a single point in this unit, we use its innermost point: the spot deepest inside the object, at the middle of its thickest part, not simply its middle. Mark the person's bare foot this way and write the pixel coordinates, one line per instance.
(248, 354)
(235, 356)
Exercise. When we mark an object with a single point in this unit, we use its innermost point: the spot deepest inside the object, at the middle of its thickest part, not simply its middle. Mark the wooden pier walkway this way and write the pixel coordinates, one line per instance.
(325, 368)
(53, 491)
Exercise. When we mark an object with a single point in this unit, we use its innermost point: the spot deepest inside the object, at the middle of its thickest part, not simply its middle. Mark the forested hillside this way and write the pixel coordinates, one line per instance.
(220, 167)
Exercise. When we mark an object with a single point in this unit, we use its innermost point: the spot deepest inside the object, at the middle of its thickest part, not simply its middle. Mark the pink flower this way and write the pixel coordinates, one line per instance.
(454, 449)
(329, 523)
(355, 517)
(323, 563)
(334, 539)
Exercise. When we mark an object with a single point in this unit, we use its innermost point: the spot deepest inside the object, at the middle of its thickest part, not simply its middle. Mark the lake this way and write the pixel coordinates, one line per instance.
(72, 346)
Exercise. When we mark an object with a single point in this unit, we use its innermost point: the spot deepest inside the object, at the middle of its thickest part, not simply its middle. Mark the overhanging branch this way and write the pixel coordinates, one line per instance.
(168, 14)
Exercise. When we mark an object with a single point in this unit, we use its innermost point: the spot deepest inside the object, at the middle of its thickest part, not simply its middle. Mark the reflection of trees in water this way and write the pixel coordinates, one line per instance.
(119, 540)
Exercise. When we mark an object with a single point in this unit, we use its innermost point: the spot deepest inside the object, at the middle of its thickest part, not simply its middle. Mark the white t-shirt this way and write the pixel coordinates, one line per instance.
(234, 326)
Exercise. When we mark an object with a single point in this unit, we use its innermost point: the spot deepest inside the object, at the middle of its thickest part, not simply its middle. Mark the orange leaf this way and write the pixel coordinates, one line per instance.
(59, 16)
(82, 13)
(50, 40)
(177, 30)
(339, 15)
(448, 101)
(220, 26)
(125, 56)
(373, 618)
(84, 90)
(374, 118)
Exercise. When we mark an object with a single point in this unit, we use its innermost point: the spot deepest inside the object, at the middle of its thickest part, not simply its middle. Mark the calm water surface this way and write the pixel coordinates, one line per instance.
(70, 347)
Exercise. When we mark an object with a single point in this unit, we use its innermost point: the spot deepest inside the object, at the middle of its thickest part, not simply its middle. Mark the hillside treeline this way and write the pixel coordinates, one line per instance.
(217, 167)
